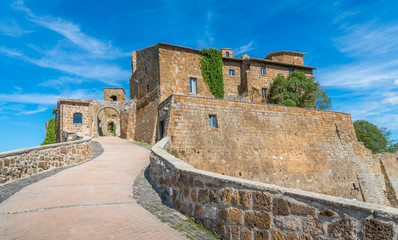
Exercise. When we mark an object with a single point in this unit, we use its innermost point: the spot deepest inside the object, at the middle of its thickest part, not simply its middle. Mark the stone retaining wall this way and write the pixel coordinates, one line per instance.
(28, 161)
(235, 208)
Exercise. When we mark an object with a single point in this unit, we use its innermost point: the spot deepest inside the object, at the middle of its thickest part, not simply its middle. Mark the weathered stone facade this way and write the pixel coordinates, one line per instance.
(293, 147)
(235, 208)
(96, 116)
(29, 161)
(114, 94)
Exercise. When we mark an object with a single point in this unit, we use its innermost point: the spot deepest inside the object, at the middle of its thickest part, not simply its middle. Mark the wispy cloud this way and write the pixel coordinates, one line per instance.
(244, 48)
(11, 28)
(370, 38)
(84, 57)
(391, 98)
(39, 110)
(208, 38)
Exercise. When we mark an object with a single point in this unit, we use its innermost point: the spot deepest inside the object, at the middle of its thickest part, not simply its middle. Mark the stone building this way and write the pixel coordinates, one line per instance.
(240, 135)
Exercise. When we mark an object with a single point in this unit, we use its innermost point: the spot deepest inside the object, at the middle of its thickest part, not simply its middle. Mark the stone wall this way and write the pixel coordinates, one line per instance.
(298, 148)
(119, 93)
(177, 65)
(235, 208)
(29, 161)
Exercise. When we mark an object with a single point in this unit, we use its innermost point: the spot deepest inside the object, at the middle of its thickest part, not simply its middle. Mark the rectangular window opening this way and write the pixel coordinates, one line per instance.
(262, 70)
(265, 93)
(147, 88)
(231, 72)
(193, 86)
(213, 121)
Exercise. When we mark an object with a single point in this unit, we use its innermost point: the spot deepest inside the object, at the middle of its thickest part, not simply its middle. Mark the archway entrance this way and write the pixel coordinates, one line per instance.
(108, 122)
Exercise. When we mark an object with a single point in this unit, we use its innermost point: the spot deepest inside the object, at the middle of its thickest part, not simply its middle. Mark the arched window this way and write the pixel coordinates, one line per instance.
(114, 98)
(227, 54)
(77, 118)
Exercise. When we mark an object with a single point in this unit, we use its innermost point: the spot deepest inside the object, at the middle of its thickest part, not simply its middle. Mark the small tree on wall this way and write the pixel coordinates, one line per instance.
(112, 128)
(50, 133)
(298, 90)
(211, 66)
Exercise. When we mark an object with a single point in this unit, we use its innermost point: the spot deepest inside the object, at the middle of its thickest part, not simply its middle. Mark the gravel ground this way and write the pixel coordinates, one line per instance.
(9, 189)
(152, 201)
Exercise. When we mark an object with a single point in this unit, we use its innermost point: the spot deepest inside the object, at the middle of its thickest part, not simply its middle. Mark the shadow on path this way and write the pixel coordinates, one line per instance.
(154, 201)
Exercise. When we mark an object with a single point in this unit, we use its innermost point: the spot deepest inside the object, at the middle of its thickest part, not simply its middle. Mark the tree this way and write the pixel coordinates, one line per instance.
(50, 133)
(298, 90)
(371, 136)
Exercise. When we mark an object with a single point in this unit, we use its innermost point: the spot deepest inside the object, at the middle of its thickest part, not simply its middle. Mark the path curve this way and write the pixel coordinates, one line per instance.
(89, 201)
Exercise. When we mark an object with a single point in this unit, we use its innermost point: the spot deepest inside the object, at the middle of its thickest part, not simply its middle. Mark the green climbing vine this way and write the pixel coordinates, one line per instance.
(211, 66)
(50, 133)
(112, 128)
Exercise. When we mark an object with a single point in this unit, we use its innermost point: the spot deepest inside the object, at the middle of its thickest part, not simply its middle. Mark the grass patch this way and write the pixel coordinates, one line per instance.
(143, 144)
(199, 227)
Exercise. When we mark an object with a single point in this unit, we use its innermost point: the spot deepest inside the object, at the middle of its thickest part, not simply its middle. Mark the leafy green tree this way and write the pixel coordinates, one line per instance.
(298, 90)
(322, 101)
(371, 136)
(392, 146)
(211, 66)
(50, 133)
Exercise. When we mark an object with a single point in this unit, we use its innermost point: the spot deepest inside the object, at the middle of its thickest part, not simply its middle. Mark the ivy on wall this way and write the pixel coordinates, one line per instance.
(50, 135)
(211, 66)
(112, 128)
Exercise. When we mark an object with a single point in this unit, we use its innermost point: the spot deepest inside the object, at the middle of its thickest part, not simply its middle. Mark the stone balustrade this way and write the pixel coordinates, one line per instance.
(235, 208)
(28, 161)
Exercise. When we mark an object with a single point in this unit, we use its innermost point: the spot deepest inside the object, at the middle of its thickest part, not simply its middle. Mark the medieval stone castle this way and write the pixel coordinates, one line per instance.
(240, 135)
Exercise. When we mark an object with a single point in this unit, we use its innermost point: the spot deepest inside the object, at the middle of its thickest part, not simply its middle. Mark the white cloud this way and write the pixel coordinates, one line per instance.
(391, 98)
(208, 38)
(396, 82)
(39, 110)
(11, 28)
(244, 48)
(369, 39)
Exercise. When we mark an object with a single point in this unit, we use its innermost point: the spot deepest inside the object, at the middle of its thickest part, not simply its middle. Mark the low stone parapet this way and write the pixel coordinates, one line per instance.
(28, 161)
(235, 208)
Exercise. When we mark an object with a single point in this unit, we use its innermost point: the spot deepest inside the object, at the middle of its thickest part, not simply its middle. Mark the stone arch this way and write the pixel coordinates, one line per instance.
(104, 117)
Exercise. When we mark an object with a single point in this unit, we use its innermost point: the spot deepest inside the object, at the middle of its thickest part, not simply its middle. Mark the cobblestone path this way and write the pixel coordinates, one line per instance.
(89, 201)
(155, 203)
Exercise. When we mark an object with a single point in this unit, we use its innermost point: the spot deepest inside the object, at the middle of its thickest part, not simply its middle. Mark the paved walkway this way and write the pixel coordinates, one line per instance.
(90, 201)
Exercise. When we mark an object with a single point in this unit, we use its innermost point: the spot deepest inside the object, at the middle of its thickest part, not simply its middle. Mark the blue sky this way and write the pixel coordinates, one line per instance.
(72, 49)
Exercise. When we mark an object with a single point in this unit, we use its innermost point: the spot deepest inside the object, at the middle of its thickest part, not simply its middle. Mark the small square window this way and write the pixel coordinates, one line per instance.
(213, 121)
(265, 93)
(262, 70)
(231, 72)
(193, 85)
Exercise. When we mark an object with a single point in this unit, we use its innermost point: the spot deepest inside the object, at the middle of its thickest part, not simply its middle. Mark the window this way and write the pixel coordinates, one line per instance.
(192, 85)
(262, 70)
(264, 93)
(213, 121)
(147, 88)
(77, 118)
(227, 54)
(114, 98)
(231, 72)
(290, 71)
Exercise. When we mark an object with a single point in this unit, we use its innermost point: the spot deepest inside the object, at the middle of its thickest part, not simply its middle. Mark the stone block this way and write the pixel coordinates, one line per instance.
(262, 201)
(313, 226)
(223, 215)
(257, 219)
(198, 211)
(220, 230)
(277, 235)
(344, 228)
(291, 236)
(226, 196)
(246, 234)
(194, 195)
(262, 235)
(213, 197)
(203, 196)
(281, 206)
(287, 222)
(376, 230)
(235, 216)
(301, 209)
(199, 184)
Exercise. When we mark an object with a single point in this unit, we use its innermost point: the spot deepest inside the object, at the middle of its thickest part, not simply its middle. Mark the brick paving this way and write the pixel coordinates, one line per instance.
(89, 201)
(154, 202)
